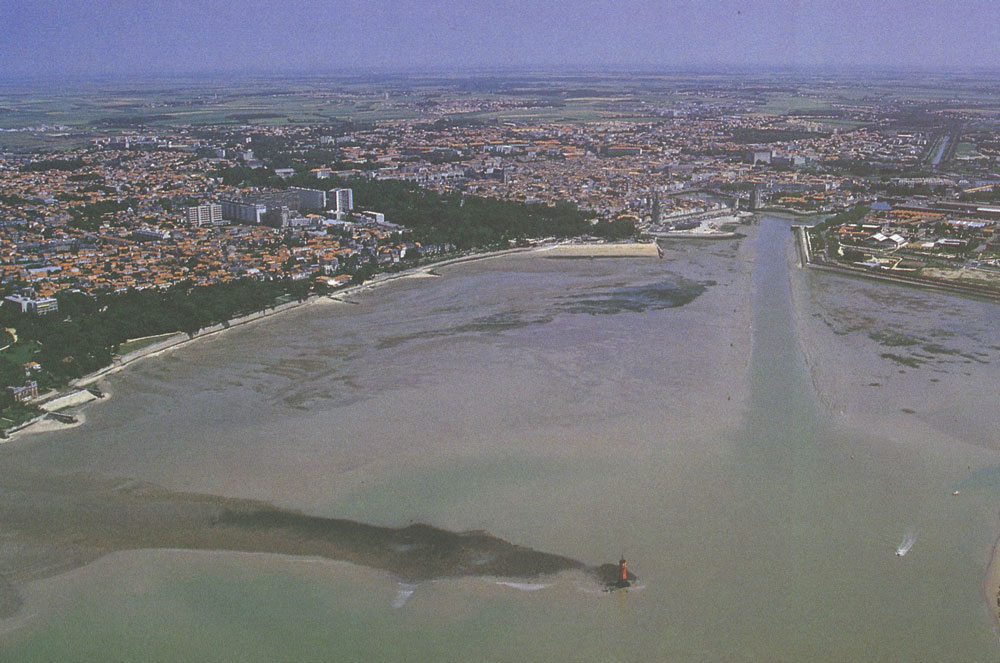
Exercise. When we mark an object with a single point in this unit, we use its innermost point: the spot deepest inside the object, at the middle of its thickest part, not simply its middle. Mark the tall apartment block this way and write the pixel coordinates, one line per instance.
(343, 201)
(201, 215)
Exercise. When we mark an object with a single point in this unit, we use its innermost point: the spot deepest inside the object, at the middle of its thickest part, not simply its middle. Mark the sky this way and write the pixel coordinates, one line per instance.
(121, 37)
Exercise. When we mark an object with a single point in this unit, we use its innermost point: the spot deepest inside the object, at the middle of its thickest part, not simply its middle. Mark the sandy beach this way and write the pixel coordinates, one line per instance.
(71, 399)
(49, 425)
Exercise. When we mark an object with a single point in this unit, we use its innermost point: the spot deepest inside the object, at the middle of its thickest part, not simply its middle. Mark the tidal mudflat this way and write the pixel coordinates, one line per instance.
(677, 410)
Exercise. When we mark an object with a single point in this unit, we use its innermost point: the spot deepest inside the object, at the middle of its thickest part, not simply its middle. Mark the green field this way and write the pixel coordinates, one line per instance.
(19, 353)
(92, 109)
(782, 104)
(964, 149)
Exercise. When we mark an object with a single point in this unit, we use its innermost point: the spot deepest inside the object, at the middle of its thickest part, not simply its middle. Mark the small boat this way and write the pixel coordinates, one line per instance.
(954, 493)
(907, 543)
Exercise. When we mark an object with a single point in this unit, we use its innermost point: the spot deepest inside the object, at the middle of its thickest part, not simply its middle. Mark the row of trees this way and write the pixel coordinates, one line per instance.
(53, 164)
(852, 215)
(991, 195)
(821, 240)
(88, 217)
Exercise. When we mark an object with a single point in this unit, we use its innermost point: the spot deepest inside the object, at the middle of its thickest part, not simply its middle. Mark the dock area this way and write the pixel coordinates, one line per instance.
(624, 250)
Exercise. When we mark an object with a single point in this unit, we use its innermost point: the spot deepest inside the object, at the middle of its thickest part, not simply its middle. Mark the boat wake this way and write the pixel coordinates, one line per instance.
(603, 591)
(403, 595)
(523, 586)
(908, 540)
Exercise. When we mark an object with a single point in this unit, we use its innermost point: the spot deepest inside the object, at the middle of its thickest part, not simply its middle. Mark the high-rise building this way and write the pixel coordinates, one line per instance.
(655, 215)
(377, 218)
(240, 211)
(283, 217)
(278, 217)
(310, 199)
(201, 215)
(343, 201)
(251, 208)
(29, 302)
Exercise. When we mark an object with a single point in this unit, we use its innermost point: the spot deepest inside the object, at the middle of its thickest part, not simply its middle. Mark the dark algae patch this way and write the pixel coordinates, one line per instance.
(619, 298)
(491, 324)
(892, 339)
(924, 351)
(637, 299)
(54, 524)
(899, 359)
(936, 349)
(414, 552)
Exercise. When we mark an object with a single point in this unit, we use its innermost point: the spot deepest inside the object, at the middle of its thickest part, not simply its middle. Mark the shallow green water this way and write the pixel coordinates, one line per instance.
(771, 541)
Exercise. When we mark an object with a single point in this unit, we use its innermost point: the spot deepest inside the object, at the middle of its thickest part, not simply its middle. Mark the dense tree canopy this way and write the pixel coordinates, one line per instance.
(463, 220)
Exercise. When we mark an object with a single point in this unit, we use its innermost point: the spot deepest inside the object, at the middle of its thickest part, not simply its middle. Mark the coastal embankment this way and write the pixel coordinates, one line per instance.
(623, 250)
(77, 394)
(791, 213)
(683, 234)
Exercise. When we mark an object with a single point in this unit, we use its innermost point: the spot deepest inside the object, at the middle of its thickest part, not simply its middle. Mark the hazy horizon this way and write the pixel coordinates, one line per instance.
(455, 74)
(81, 38)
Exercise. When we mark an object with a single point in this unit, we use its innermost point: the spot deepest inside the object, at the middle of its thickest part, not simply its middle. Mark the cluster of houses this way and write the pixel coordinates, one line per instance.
(910, 236)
